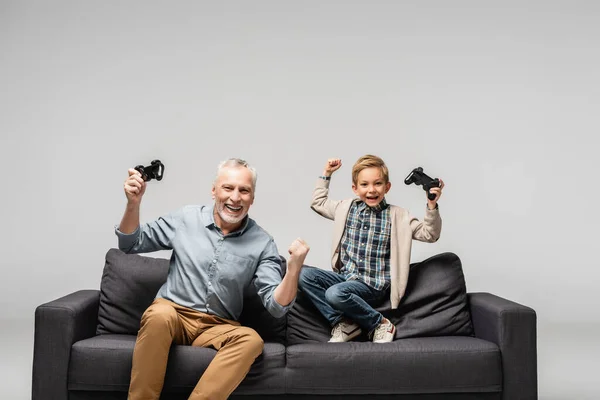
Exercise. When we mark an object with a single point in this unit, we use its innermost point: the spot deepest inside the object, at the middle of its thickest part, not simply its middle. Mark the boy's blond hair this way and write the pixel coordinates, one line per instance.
(369, 161)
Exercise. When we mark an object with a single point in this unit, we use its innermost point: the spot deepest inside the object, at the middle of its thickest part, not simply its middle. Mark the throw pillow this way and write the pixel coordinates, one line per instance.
(128, 286)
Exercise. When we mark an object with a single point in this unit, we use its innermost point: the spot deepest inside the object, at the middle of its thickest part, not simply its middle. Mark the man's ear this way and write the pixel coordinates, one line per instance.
(388, 186)
(213, 191)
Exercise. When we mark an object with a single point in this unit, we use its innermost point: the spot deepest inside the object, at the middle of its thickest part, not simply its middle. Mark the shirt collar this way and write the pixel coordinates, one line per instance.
(379, 207)
(209, 221)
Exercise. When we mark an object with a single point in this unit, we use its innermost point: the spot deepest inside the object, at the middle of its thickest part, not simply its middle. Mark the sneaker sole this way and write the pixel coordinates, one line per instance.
(356, 332)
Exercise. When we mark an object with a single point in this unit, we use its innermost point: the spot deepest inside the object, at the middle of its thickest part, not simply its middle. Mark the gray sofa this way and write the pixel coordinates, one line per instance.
(449, 345)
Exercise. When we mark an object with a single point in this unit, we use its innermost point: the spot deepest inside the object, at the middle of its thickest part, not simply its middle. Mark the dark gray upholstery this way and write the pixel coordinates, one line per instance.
(435, 304)
(72, 362)
(58, 325)
(419, 365)
(513, 327)
(128, 286)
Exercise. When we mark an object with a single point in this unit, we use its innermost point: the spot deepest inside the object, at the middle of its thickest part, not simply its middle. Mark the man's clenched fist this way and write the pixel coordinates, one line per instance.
(134, 186)
(298, 251)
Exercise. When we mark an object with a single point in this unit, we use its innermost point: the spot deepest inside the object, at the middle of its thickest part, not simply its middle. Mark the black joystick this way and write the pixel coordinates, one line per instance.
(153, 171)
(418, 177)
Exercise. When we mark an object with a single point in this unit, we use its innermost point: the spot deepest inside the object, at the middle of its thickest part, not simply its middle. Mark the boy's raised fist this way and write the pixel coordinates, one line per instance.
(332, 165)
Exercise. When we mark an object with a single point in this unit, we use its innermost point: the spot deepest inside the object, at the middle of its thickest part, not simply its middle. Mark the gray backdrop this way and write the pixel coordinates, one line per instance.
(500, 99)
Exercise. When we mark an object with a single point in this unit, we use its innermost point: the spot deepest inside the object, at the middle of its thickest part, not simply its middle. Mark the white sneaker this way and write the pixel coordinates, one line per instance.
(344, 331)
(385, 332)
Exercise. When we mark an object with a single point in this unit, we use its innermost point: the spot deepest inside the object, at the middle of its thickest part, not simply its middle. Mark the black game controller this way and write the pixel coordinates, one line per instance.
(153, 171)
(418, 177)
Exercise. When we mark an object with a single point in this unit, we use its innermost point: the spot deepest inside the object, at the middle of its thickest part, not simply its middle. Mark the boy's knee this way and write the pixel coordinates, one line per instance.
(333, 295)
(305, 278)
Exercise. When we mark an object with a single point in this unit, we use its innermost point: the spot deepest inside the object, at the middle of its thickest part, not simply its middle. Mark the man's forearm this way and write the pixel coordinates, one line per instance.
(131, 219)
(285, 293)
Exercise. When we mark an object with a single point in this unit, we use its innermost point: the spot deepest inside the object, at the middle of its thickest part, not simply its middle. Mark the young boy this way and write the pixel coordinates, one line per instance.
(371, 251)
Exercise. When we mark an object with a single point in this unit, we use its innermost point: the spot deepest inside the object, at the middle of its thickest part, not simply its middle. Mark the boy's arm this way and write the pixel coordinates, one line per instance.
(321, 203)
(430, 229)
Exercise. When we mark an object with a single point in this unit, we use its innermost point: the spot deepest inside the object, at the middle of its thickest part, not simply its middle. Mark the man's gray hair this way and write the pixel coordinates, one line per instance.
(237, 163)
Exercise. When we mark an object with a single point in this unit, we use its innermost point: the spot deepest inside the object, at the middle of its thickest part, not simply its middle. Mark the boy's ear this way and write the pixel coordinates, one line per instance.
(388, 186)
(354, 189)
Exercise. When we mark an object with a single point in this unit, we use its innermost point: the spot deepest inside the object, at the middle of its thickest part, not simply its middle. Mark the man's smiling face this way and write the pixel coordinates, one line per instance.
(234, 194)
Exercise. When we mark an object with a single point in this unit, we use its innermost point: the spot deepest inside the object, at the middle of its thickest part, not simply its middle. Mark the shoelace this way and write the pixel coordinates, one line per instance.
(380, 331)
(337, 330)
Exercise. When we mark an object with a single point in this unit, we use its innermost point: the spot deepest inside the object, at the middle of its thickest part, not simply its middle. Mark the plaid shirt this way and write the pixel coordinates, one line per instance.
(365, 245)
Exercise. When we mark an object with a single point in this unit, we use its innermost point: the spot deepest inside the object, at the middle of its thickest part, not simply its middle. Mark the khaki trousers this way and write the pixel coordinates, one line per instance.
(165, 323)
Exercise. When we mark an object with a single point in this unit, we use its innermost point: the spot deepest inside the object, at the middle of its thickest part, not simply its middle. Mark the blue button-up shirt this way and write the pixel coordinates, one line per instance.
(209, 271)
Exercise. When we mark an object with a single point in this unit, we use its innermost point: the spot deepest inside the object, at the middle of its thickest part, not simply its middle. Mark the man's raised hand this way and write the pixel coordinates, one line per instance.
(298, 251)
(134, 186)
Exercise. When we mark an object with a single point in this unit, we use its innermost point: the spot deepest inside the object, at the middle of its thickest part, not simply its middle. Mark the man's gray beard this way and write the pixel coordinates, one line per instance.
(228, 218)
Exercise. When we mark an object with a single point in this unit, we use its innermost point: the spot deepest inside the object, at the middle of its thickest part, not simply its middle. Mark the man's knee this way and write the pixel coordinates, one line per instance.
(253, 343)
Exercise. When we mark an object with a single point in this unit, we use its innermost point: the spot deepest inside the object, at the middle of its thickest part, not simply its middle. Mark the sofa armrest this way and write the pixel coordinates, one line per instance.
(59, 324)
(512, 327)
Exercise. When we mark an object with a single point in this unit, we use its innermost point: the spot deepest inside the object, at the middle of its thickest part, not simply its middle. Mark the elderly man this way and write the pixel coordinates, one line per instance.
(217, 251)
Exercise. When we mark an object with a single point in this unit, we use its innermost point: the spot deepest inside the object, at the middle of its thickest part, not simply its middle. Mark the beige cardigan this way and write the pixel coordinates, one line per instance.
(404, 228)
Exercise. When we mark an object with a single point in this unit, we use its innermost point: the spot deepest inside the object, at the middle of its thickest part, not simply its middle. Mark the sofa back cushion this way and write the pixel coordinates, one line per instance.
(434, 304)
(129, 285)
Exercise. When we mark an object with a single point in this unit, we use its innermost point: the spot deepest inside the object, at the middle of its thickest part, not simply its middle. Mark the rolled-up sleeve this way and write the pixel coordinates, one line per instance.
(152, 236)
(268, 277)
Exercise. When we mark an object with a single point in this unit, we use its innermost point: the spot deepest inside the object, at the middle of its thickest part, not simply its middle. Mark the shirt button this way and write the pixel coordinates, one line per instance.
(209, 284)
(214, 261)
(207, 305)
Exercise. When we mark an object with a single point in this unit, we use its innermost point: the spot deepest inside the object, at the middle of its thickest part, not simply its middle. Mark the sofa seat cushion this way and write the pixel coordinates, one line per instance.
(418, 365)
(104, 363)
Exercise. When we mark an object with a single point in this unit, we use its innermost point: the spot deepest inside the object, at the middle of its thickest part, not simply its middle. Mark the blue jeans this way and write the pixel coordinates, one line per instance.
(337, 298)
